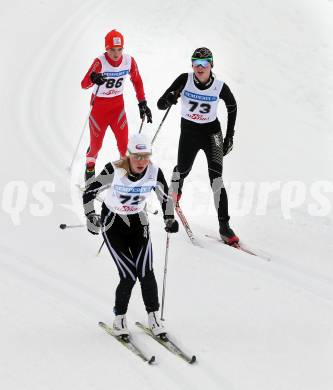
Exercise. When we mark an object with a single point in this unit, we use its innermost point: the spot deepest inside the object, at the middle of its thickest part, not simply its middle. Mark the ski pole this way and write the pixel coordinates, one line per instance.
(176, 93)
(165, 273)
(159, 127)
(143, 119)
(64, 226)
(100, 248)
(84, 127)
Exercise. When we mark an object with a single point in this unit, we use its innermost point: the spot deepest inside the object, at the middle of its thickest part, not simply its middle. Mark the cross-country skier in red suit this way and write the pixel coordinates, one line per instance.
(108, 73)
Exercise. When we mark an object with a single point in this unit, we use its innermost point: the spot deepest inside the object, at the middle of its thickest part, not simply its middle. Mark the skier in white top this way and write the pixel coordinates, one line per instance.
(125, 226)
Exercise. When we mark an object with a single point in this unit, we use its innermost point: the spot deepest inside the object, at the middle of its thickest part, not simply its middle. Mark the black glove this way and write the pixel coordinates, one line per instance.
(172, 98)
(227, 144)
(171, 225)
(167, 101)
(145, 111)
(93, 223)
(97, 78)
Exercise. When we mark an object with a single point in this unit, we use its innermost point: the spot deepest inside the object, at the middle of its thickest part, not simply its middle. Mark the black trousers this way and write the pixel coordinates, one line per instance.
(129, 244)
(190, 143)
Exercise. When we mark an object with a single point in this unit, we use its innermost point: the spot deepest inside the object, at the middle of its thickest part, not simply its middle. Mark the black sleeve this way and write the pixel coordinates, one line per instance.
(231, 105)
(101, 182)
(162, 191)
(177, 86)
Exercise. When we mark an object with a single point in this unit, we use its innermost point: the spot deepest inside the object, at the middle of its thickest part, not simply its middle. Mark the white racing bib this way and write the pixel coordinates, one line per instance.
(200, 106)
(129, 197)
(115, 77)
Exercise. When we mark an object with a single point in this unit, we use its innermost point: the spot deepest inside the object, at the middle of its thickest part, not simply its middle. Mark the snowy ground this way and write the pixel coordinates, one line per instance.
(253, 324)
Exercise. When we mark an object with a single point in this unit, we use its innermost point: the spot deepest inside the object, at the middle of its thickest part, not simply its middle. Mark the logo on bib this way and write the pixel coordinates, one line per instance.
(116, 74)
(197, 117)
(197, 96)
(140, 146)
(133, 190)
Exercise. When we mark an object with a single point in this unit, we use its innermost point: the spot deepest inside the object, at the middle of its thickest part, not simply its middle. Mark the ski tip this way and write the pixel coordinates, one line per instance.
(193, 359)
(151, 360)
(101, 323)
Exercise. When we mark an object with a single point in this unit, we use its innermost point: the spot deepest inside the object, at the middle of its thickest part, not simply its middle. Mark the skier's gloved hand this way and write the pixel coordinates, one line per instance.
(97, 78)
(228, 144)
(162, 103)
(145, 111)
(93, 223)
(172, 98)
(171, 225)
(165, 102)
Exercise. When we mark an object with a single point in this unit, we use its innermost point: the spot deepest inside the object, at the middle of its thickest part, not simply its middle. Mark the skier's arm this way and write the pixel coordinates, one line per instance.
(231, 105)
(171, 95)
(162, 191)
(137, 81)
(101, 182)
(95, 67)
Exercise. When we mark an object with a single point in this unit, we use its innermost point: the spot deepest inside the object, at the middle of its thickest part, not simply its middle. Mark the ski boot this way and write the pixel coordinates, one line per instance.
(227, 234)
(156, 326)
(120, 327)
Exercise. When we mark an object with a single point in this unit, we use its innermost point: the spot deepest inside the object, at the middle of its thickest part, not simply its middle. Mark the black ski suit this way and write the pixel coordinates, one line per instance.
(206, 136)
(128, 240)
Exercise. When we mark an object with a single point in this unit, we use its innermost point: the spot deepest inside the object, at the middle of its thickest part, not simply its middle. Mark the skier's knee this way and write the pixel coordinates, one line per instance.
(127, 283)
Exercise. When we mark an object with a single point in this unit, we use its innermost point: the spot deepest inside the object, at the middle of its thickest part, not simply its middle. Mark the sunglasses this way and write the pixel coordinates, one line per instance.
(140, 156)
(201, 62)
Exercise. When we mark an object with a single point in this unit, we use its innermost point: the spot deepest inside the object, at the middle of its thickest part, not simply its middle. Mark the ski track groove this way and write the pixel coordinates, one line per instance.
(35, 113)
(310, 282)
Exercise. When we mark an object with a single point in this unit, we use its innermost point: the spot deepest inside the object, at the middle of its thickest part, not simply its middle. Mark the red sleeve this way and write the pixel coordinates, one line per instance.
(137, 81)
(95, 67)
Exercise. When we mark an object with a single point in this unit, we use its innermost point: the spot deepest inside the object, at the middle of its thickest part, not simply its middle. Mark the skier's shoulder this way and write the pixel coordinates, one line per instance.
(128, 59)
(178, 84)
(97, 64)
(159, 174)
(153, 168)
(226, 94)
(183, 77)
(216, 81)
(101, 58)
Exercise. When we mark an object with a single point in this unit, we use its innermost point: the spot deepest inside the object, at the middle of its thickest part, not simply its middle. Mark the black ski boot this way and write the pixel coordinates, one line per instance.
(227, 234)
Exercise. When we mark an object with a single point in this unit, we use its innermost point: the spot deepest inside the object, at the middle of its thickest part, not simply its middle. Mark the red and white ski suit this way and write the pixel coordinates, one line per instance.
(108, 107)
